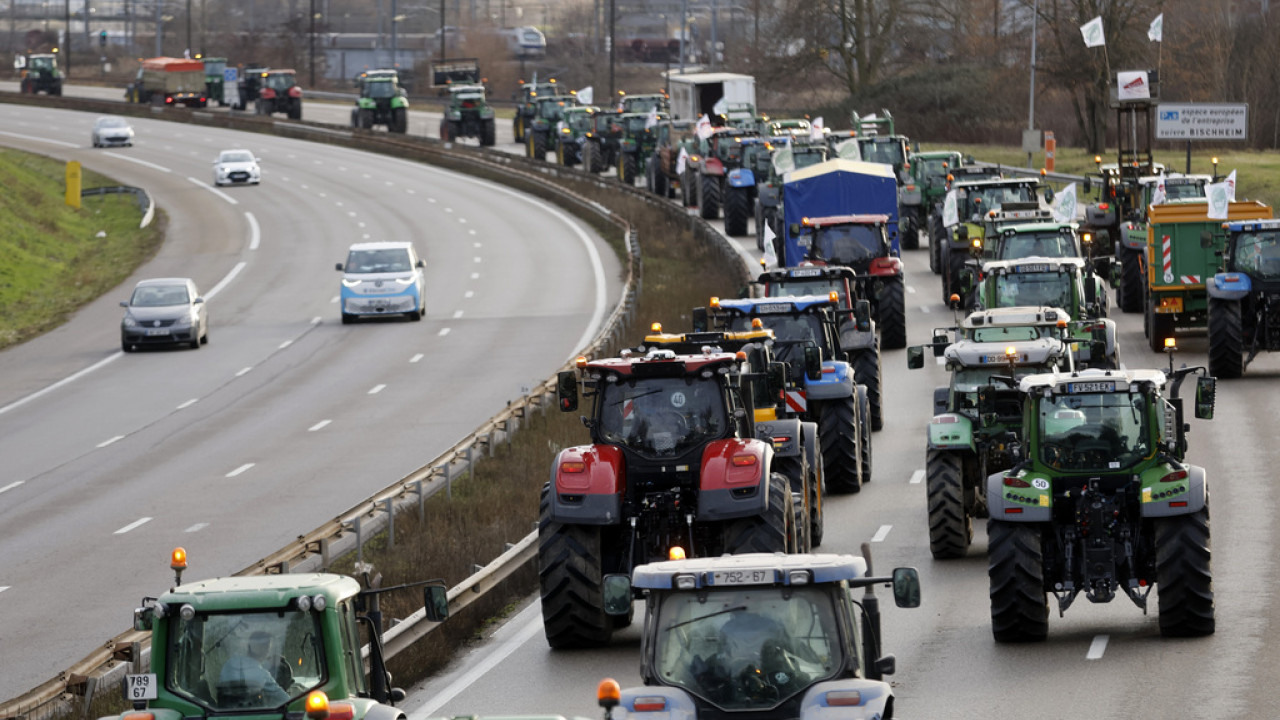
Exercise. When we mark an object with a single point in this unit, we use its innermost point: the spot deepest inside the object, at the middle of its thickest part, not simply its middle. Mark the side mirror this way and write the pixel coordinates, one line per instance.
(1206, 239)
(915, 357)
(812, 362)
(435, 599)
(699, 319)
(1048, 194)
(421, 263)
(962, 233)
(776, 375)
(906, 587)
(862, 315)
(567, 390)
(1088, 185)
(1206, 392)
(986, 404)
(940, 343)
(616, 592)
(124, 303)
(338, 267)
(144, 618)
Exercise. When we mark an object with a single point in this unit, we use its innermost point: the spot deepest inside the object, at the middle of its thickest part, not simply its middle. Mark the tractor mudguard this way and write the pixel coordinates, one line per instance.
(678, 703)
(950, 431)
(832, 385)
(909, 196)
(364, 103)
(1230, 286)
(767, 196)
(810, 445)
(1099, 216)
(1135, 239)
(713, 166)
(873, 699)
(1158, 498)
(783, 434)
(378, 711)
(742, 178)
(885, 266)
(399, 102)
(852, 339)
(1017, 504)
(589, 482)
(733, 482)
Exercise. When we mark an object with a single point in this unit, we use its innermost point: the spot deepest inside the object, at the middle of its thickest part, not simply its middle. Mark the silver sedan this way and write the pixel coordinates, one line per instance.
(112, 131)
(164, 311)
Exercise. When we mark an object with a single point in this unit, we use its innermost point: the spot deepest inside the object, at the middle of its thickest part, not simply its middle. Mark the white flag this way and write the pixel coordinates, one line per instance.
(1231, 186)
(849, 150)
(1219, 201)
(1064, 206)
(950, 210)
(587, 95)
(681, 161)
(816, 129)
(770, 255)
(1155, 33)
(721, 107)
(783, 161)
(1092, 32)
(703, 128)
(1160, 195)
(652, 118)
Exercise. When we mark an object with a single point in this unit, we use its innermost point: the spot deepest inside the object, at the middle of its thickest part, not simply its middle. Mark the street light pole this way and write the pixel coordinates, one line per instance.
(395, 23)
(613, 46)
(311, 63)
(1031, 103)
(444, 50)
(188, 52)
(66, 38)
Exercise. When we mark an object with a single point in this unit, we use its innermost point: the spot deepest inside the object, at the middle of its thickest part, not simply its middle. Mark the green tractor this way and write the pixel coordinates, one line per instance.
(636, 146)
(572, 134)
(1102, 502)
(215, 79)
(540, 134)
(527, 105)
(282, 645)
(600, 142)
(645, 103)
(924, 187)
(382, 102)
(468, 115)
(39, 74)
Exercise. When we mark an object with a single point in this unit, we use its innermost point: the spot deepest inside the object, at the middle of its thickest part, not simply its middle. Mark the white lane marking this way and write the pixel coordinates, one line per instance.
(462, 220)
(1097, 647)
(133, 526)
(239, 470)
(473, 232)
(333, 299)
(214, 190)
(243, 371)
(882, 533)
(443, 332)
(197, 527)
(11, 486)
(924, 308)
(255, 233)
(4, 587)
(64, 381)
(411, 191)
(143, 163)
(475, 276)
(917, 477)
(188, 403)
(475, 245)
(351, 213)
(319, 426)
(911, 290)
(226, 280)
(59, 143)
(477, 258)
(457, 315)
(389, 183)
(469, 293)
(415, 358)
(316, 320)
(284, 344)
(448, 210)
(377, 389)
(525, 625)
(431, 200)
(107, 442)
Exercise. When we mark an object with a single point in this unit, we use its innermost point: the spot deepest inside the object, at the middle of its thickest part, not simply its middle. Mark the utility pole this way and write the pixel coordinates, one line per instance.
(1031, 103)
(613, 46)
(159, 30)
(395, 23)
(684, 30)
(311, 63)
(444, 49)
(188, 53)
(66, 37)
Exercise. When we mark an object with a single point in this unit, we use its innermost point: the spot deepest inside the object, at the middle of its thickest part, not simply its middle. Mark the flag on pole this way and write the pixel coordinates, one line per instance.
(1219, 200)
(652, 119)
(1231, 186)
(950, 210)
(1161, 194)
(721, 107)
(587, 95)
(682, 160)
(1092, 32)
(703, 128)
(849, 150)
(770, 255)
(816, 129)
(1155, 33)
(1064, 206)
(783, 161)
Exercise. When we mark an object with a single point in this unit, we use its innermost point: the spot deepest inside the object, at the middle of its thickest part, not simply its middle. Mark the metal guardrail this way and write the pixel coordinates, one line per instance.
(145, 203)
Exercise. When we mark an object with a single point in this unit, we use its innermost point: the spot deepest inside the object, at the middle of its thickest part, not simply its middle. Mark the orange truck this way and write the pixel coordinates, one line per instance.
(168, 81)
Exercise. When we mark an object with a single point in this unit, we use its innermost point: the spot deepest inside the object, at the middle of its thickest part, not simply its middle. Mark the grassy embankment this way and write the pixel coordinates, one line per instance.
(54, 258)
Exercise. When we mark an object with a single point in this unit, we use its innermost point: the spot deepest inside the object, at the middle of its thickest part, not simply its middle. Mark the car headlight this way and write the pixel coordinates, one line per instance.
(350, 282)
(406, 281)
(183, 321)
(129, 322)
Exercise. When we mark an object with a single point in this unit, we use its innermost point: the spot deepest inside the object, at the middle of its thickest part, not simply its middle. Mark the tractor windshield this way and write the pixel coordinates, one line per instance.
(846, 244)
(1041, 244)
(42, 63)
(969, 379)
(792, 332)
(1096, 432)
(805, 286)
(750, 648)
(380, 90)
(804, 157)
(551, 109)
(215, 67)
(245, 660)
(580, 121)
(934, 170)
(887, 152)
(1010, 333)
(1258, 254)
(663, 417)
(280, 81)
(1184, 189)
(979, 200)
(1033, 288)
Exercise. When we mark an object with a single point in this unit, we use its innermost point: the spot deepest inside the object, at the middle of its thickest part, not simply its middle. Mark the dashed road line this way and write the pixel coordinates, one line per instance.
(882, 533)
(469, 294)
(11, 486)
(443, 332)
(457, 314)
(319, 426)
(1097, 647)
(377, 389)
(244, 371)
(214, 190)
(143, 163)
(284, 344)
(133, 526)
(917, 477)
(188, 403)
(416, 358)
(239, 470)
(104, 443)
(197, 527)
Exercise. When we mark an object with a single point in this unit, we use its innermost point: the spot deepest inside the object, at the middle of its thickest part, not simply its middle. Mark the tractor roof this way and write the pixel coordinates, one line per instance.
(1174, 179)
(749, 569)
(1091, 380)
(1023, 352)
(262, 591)
(1037, 227)
(1015, 316)
(662, 363)
(935, 155)
(775, 305)
(1254, 226)
(697, 342)
(994, 182)
(807, 272)
(1031, 264)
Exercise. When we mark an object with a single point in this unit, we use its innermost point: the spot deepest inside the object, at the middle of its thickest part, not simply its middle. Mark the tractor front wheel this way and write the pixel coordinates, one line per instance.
(950, 526)
(910, 232)
(1015, 566)
(866, 371)
(1226, 339)
(841, 445)
(399, 121)
(570, 573)
(937, 236)
(627, 168)
(709, 196)
(735, 212)
(891, 314)
(488, 133)
(1129, 291)
(864, 433)
(1158, 326)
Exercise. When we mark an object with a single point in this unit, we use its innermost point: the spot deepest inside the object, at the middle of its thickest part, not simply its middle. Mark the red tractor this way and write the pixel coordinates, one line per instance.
(673, 463)
(278, 92)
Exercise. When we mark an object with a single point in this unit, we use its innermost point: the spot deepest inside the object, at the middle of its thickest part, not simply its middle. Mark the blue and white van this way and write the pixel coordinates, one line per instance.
(382, 278)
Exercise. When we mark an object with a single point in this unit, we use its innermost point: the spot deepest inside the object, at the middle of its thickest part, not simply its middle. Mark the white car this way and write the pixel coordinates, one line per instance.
(112, 130)
(236, 167)
(382, 278)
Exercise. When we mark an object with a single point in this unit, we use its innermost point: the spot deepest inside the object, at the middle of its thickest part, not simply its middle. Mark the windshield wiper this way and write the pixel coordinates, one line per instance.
(704, 617)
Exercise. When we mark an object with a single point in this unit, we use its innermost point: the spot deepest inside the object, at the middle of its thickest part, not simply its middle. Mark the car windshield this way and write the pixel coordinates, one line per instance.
(662, 417)
(160, 296)
(236, 157)
(888, 152)
(1258, 254)
(245, 660)
(846, 244)
(378, 261)
(112, 122)
(1041, 244)
(1093, 432)
(1033, 288)
(748, 648)
(380, 90)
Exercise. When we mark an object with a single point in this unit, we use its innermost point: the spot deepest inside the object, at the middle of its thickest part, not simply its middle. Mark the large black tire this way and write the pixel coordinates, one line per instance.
(891, 314)
(793, 468)
(736, 211)
(627, 168)
(909, 232)
(365, 117)
(569, 579)
(589, 157)
(937, 236)
(1158, 326)
(517, 127)
(1226, 339)
(866, 371)
(1015, 566)
(1129, 291)
(538, 145)
(689, 189)
(295, 109)
(950, 527)
(709, 196)
(953, 266)
(817, 519)
(767, 533)
(661, 183)
(561, 158)
(838, 435)
(864, 434)
(399, 121)
(488, 133)
(1184, 576)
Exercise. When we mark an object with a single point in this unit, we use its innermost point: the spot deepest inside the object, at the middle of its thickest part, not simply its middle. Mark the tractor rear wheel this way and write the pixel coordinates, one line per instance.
(1015, 565)
(661, 183)
(589, 154)
(517, 127)
(688, 189)
(709, 196)
(793, 469)
(627, 168)
(488, 133)
(864, 433)
(892, 314)
(770, 532)
(909, 233)
(866, 371)
(950, 527)
(1184, 576)
(366, 122)
(1129, 291)
(537, 145)
(1226, 339)
(735, 212)
(838, 435)
(953, 266)
(817, 523)
(295, 109)
(937, 236)
(570, 573)
(561, 160)
(399, 121)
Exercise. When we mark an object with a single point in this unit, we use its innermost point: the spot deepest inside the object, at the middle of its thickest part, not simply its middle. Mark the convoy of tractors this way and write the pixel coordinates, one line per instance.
(700, 481)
